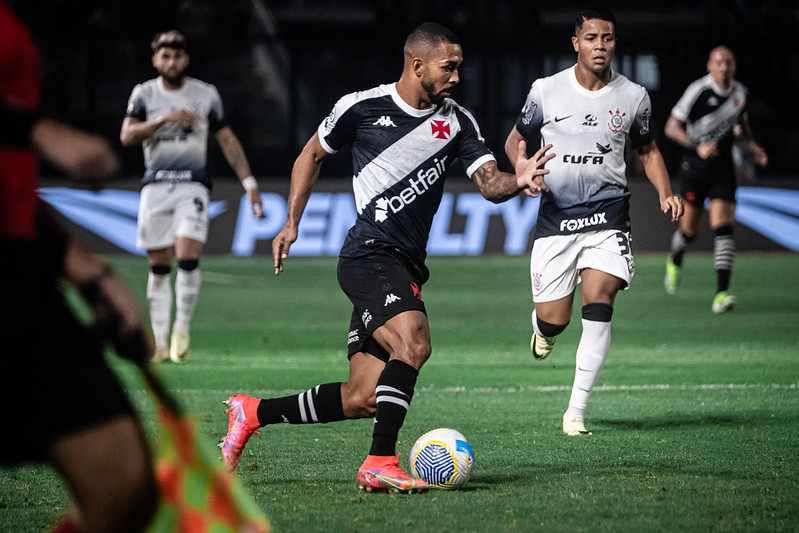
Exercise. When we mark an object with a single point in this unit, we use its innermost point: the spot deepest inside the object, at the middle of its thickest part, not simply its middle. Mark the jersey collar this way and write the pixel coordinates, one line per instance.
(407, 108)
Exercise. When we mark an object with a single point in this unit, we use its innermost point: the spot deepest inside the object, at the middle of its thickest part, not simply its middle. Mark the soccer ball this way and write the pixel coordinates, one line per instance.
(443, 458)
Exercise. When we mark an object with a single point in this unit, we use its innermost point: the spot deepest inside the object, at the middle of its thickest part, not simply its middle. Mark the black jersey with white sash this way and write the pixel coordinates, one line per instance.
(710, 113)
(400, 158)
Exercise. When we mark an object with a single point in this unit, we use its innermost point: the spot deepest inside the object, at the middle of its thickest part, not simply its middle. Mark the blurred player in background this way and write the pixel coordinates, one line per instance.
(589, 114)
(706, 121)
(78, 419)
(171, 116)
(404, 138)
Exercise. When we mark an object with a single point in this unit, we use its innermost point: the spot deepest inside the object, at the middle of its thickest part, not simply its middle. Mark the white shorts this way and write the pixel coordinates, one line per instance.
(556, 261)
(169, 210)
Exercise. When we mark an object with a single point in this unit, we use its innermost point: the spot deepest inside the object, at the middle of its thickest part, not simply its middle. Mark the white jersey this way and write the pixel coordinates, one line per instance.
(589, 131)
(175, 153)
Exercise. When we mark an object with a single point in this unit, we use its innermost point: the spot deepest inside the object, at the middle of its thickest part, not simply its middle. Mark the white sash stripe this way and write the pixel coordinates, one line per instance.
(392, 399)
(386, 388)
(301, 399)
(393, 165)
(311, 403)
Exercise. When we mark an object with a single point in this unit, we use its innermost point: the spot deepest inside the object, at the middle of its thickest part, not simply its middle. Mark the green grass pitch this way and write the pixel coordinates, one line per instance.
(695, 417)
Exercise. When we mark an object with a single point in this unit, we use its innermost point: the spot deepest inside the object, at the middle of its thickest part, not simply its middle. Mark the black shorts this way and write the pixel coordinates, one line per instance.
(698, 182)
(380, 286)
(54, 381)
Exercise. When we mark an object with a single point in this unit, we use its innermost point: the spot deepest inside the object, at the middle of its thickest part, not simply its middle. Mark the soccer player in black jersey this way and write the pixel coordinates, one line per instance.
(404, 138)
(705, 121)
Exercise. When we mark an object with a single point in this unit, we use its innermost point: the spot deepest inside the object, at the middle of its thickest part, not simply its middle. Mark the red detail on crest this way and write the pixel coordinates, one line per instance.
(440, 129)
(417, 291)
(616, 120)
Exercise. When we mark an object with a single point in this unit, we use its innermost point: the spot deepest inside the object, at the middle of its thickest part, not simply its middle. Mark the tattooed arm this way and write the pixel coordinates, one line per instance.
(499, 186)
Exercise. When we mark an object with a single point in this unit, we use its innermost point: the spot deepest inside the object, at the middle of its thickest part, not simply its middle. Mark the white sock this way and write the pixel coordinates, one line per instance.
(591, 354)
(187, 289)
(159, 293)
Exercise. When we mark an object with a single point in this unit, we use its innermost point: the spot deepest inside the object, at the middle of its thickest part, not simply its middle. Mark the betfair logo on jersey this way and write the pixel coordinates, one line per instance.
(580, 223)
(384, 121)
(416, 188)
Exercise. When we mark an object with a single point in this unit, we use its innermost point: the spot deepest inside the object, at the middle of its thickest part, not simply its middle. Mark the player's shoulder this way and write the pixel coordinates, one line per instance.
(197, 85)
(557, 79)
(737, 85)
(364, 97)
(701, 84)
(146, 87)
(451, 107)
(620, 80)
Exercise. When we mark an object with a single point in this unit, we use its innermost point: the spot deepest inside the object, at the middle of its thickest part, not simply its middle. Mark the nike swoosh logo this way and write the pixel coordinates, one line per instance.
(558, 119)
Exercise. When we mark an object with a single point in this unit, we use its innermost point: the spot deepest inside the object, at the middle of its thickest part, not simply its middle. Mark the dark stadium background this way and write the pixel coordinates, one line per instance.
(281, 65)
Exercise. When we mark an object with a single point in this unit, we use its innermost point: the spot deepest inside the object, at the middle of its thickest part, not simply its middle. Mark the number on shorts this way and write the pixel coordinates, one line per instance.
(624, 243)
(198, 202)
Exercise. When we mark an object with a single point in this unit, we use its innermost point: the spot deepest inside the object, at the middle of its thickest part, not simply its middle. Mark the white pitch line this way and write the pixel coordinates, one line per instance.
(515, 390)
(223, 279)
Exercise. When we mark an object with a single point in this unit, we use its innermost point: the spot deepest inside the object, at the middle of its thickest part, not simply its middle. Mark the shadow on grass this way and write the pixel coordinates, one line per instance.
(678, 422)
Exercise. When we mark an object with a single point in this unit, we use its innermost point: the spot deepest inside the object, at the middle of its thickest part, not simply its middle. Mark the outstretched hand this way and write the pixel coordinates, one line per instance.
(280, 246)
(530, 172)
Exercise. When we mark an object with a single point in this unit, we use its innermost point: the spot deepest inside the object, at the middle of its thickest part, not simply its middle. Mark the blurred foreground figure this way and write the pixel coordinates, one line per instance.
(68, 408)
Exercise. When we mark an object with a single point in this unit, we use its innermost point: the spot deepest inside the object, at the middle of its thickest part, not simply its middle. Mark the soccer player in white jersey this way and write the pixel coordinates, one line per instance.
(589, 114)
(171, 116)
(404, 137)
(705, 121)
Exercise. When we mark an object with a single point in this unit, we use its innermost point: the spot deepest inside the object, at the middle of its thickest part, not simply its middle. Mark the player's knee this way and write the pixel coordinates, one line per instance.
(415, 351)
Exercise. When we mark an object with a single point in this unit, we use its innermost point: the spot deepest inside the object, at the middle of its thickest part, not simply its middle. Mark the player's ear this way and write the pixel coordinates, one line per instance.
(576, 43)
(418, 66)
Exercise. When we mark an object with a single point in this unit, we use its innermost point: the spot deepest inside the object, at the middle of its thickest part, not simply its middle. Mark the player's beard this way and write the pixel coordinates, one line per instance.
(434, 96)
(176, 79)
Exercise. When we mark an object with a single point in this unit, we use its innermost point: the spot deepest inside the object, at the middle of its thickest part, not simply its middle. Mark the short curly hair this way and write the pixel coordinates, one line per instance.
(593, 13)
(169, 39)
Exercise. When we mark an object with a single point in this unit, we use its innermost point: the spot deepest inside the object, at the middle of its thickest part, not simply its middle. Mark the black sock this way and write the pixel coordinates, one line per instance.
(723, 256)
(549, 330)
(723, 280)
(318, 405)
(394, 392)
(679, 244)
